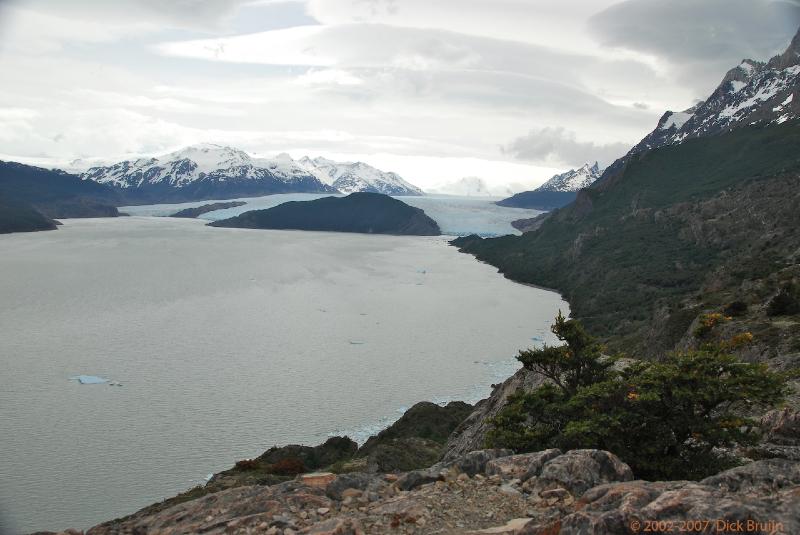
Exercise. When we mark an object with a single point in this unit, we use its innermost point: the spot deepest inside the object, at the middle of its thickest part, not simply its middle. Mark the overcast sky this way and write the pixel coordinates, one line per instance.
(510, 91)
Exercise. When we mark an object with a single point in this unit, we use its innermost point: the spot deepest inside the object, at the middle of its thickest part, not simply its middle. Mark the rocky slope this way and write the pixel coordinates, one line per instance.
(492, 491)
(371, 213)
(210, 171)
(558, 191)
(685, 226)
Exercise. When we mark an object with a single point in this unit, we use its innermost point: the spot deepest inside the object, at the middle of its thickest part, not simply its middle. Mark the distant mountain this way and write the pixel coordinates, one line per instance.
(366, 212)
(209, 171)
(16, 216)
(205, 171)
(469, 186)
(560, 190)
(54, 194)
(350, 177)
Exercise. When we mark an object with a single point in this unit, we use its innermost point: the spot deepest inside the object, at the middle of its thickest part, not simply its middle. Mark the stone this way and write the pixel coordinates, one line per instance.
(317, 479)
(512, 527)
(743, 494)
(323, 511)
(351, 493)
(522, 466)
(579, 470)
(475, 462)
(417, 478)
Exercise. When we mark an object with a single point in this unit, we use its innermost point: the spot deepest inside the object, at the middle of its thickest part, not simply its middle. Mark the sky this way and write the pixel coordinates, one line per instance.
(505, 91)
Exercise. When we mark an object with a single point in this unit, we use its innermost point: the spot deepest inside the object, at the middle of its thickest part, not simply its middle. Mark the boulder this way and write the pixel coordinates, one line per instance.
(417, 478)
(337, 489)
(781, 427)
(522, 466)
(739, 500)
(579, 470)
(475, 462)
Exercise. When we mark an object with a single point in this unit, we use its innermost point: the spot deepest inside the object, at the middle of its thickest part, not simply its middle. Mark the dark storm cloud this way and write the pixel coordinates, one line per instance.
(559, 146)
(703, 38)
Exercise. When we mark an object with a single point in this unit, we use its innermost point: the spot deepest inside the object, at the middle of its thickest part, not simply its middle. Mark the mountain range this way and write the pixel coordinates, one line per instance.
(210, 171)
(558, 191)
(698, 217)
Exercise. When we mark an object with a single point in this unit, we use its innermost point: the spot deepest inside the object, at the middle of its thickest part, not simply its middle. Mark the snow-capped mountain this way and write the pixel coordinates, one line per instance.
(573, 180)
(560, 190)
(349, 177)
(751, 93)
(469, 186)
(210, 171)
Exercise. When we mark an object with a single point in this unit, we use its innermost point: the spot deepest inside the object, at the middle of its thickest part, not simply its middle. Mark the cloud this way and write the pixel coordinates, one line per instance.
(208, 15)
(699, 40)
(559, 146)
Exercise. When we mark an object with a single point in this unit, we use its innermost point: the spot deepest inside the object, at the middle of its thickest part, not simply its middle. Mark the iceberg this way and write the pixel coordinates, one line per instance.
(89, 379)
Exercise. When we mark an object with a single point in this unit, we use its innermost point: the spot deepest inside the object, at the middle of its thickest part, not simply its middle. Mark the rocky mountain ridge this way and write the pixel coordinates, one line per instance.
(752, 93)
(558, 191)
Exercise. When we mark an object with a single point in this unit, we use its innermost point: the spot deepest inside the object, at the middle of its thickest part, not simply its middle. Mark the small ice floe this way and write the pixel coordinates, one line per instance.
(423, 271)
(114, 383)
(208, 477)
(89, 379)
(363, 314)
(537, 339)
(357, 342)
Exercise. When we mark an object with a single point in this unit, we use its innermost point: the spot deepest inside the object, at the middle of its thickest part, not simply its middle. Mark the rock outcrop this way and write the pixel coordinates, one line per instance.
(470, 435)
(587, 492)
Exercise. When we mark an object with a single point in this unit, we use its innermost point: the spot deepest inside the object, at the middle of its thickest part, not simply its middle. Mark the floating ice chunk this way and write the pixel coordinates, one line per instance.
(89, 379)
(357, 342)
(537, 339)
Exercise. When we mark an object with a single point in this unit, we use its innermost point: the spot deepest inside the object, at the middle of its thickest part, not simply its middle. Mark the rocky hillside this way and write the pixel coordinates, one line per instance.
(370, 213)
(490, 491)
(682, 229)
(558, 191)
(17, 216)
(32, 196)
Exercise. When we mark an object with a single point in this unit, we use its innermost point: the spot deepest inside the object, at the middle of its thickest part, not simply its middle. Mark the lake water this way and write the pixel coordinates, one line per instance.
(227, 342)
(456, 216)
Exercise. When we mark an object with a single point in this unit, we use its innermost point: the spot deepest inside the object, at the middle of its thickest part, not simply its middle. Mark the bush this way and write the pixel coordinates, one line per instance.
(735, 309)
(291, 466)
(786, 303)
(665, 419)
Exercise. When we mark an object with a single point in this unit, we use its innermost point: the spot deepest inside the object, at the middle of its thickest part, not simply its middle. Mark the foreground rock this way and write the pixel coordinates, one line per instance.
(455, 502)
(370, 213)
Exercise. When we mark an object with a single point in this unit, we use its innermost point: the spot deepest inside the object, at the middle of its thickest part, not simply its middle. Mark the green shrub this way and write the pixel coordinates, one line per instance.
(665, 419)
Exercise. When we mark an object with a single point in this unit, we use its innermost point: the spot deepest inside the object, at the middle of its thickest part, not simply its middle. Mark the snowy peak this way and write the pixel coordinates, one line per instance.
(211, 167)
(751, 93)
(350, 177)
(573, 180)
